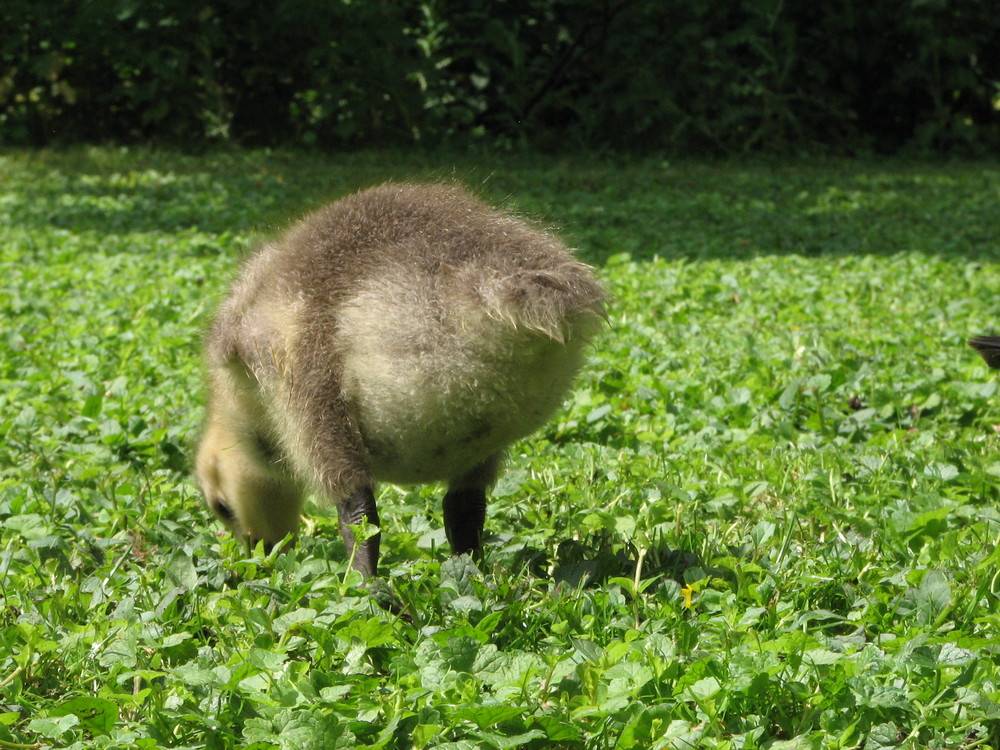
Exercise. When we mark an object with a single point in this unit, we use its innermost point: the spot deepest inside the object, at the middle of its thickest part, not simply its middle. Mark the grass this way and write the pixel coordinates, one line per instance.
(767, 518)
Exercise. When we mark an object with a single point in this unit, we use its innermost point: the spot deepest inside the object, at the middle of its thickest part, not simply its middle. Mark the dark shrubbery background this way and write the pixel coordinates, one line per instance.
(710, 77)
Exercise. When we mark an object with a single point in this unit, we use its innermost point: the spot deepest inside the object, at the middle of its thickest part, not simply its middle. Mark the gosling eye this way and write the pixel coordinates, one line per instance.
(221, 508)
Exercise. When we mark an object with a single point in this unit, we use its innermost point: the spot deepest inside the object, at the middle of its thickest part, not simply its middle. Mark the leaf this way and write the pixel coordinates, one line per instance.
(174, 639)
(989, 708)
(487, 716)
(372, 632)
(53, 727)
(599, 413)
(92, 406)
(460, 573)
(883, 736)
(510, 483)
(459, 654)
(120, 651)
(558, 730)
(704, 689)
(819, 383)
(466, 605)
(30, 525)
(821, 656)
(97, 715)
(575, 574)
(181, 571)
(111, 431)
(929, 600)
(790, 394)
(631, 675)
(929, 523)
(652, 723)
(625, 525)
(423, 734)
(433, 539)
(942, 471)
(504, 740)
(587, 649)
(509, 668)
(290, 620)
(195, 675)
(934, 593)
(268, 661)
(813, 741)
(762, 533)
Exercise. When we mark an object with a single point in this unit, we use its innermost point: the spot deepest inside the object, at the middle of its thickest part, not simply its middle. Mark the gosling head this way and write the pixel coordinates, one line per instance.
(247, 495)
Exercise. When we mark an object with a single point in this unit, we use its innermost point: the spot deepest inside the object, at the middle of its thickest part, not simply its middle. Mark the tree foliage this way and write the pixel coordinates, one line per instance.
(725, 76)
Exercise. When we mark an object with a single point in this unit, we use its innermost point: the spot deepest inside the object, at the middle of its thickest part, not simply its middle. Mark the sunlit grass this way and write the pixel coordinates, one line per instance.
(767, 517)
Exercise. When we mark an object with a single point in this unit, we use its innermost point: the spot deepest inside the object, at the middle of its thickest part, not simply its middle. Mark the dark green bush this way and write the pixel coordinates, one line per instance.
(717, 77)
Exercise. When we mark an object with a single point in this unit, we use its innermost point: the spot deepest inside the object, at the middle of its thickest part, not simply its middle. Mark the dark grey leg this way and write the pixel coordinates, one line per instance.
(355, 508)
(464, 517)
(465, 507)
(334, 446)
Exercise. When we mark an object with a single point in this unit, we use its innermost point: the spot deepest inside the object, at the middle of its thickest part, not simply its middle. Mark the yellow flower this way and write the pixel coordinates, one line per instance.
(686, 593)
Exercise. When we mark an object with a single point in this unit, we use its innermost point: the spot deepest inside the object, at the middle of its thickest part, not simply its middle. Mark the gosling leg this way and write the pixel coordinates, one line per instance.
(464, 517)
(357, 507)
(465, 507)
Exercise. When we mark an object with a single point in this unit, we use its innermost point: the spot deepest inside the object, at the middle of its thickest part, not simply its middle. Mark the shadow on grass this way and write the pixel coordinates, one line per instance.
(594, 562)
(646, 208)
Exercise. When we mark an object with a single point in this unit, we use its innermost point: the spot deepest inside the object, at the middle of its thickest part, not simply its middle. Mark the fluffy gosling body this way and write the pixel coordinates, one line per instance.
(407, 333)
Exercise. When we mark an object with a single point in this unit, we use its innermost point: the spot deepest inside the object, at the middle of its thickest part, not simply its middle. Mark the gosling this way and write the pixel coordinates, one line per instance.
(988, 348)
(407, 334)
